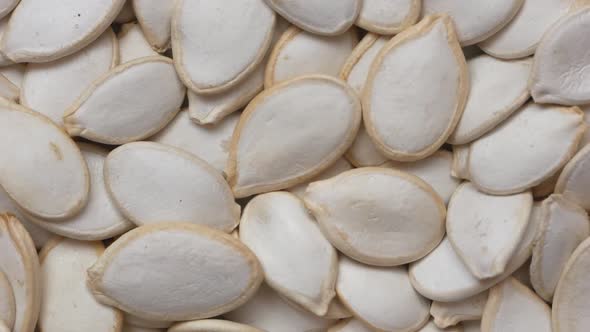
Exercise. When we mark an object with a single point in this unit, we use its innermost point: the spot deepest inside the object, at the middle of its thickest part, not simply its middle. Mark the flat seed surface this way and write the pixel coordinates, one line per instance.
(155, 18)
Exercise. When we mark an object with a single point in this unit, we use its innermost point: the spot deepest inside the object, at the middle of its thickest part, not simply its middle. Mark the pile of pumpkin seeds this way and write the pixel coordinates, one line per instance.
(294, 166)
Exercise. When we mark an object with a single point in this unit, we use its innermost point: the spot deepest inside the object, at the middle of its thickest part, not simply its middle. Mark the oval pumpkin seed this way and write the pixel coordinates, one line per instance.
(564, 225)
(574, 179)
(67, 303)
(211, 325)
(7, 304)
(61, 189)
(570, 309)
(362, 288)
(278, 229)
(485, 230)
(378, 216)
(350, 325)
(512, 306)
(331, 17)
(210, 143)
(541, 138)
(132, 43)
(447, 314)
(227, 275)
(388, 17)
(498, 89)
(99, 219)
(149, 106)
(561, 79)
(20, 264)
(211, 58)
(50, 88)
(155, 18)
(32, 34)
(299, 53)
(428, 109)
(277, 117)
(182, 188)
(475, 21)
(340, 166)
(520, 37)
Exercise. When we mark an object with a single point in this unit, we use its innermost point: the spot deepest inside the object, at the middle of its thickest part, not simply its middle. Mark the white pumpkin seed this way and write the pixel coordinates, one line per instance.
(132, 43)
(383, 298)
(212, 58)
(210, 143)
(178, 187)
(155, 17)
(226, 276)
(147, 89)
(67, 303)
(211, 325)
(431, 327)
(561, 79)
(388, 17)
(7, 304)
(19, 262)
(350, 325)
(564, 225)
(100, 218)
(126, 14)
(288, 119)
(520, 37)
(574, 179)
(475, 21)
(498, 89)
(61, 189)
(269, 312)
(299, 53)
(442, 275)
(570, 306)
(46, 30)
(428, 96)
(512, 306)
(434, 170)
(447, 314)
(340, 166)
(328, 17)
(485, 230)
(378, 216)
(278, 229)
(50, 88)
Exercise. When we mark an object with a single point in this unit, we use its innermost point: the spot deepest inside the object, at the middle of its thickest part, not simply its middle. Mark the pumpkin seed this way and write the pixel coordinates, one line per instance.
(7, 305)
(132, 43)
(447, 314)
(211, 325)
(155, 18)
(388, 17)
(38, 234)
(340, 166)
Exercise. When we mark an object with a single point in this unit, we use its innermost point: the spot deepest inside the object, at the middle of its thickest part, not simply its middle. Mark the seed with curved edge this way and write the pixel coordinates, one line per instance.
(132, 43)
(46, 30)
(383, 298)
(350, 325)
(155, 18)
(388, 17)
(20, 264)
(7, 304)
(520, 37)
(147, 89)
(50, 88)
(211, 325)
(427, 97)
(474, 20)
(67, 303)
(512, 306)
(442, 276)
(210, 57)
(574, 180)
(178, 187)
(210, 143)
(562, 79)
(498, 89)
(327, 17)
(100, 218)
(286, 239)
(485, 230)
(290, 133)
(447, 314)
(431, 327)
(378, 216)
(526, 149)
(564, 225)
(340, 166)
(61, 189)
(213, 272)
(299, 53)
(269, 312)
